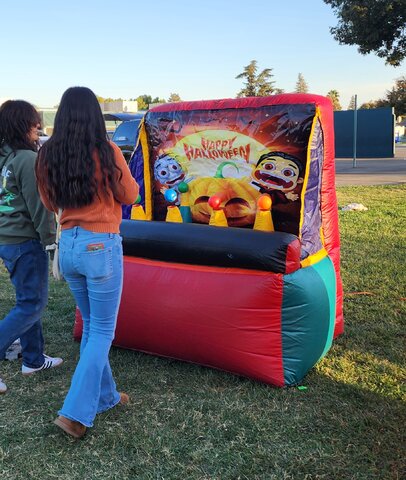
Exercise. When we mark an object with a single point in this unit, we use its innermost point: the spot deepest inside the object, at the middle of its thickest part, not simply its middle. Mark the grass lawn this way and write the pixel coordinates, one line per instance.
(190, 422)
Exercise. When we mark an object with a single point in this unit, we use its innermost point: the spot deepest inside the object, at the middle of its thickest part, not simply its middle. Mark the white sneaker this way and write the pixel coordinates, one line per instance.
(49, 362)
(14, 351)
(3, 386)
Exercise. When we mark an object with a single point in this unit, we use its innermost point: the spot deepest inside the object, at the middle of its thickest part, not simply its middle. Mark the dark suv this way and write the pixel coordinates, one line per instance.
(125, 135)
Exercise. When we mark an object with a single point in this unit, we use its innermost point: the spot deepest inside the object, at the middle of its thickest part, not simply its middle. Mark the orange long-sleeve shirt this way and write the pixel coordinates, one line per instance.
(103, 215)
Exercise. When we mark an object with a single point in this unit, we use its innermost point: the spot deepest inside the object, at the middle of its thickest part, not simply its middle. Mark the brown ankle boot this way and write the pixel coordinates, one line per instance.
(72, 428)
(124, 398)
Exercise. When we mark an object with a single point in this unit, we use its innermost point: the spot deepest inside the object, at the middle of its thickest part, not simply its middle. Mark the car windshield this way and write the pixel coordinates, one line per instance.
(126, 132)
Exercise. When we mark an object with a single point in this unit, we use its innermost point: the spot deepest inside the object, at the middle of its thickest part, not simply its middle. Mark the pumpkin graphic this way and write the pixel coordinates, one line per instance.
(239, 199)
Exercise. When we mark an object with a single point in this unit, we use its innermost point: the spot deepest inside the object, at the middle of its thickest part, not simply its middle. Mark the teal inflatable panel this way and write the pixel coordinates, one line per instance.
(308, 315)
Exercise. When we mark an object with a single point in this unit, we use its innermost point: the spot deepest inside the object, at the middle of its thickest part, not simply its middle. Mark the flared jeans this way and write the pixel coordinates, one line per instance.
(92, 264)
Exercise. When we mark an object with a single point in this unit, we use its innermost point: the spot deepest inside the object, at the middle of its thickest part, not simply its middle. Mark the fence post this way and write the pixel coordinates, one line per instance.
(354, 145)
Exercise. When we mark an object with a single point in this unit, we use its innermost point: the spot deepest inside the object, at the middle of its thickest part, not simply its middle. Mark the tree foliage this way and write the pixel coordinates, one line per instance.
(257, 84)
(108, 99)
(351, 105)
(174, 97)
(374, 25)
(158, 100)
(334, 96)
(396, 97)
(144, 101)
(368, 105)
(301, 84)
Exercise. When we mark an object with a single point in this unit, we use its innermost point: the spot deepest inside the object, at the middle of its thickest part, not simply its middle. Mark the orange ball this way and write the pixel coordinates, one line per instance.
(264, 202)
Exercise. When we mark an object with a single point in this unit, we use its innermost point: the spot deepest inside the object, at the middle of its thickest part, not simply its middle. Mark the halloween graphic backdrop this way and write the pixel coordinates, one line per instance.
(235, 153)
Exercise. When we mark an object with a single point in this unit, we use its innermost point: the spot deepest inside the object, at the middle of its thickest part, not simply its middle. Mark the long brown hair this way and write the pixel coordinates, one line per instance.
(65, 164)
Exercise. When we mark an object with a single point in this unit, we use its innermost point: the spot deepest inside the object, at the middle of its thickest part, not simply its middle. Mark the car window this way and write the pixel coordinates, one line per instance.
(126, 132)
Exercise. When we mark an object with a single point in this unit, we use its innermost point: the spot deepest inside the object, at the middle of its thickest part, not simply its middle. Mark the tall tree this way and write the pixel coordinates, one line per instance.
(374, 25)
(174, 97)
(396, 97)
(301, 85)
(351, 105)
(335, 98)
(256, 84)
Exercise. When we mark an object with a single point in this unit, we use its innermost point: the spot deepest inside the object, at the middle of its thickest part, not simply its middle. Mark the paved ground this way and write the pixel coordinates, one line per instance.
(372, 171)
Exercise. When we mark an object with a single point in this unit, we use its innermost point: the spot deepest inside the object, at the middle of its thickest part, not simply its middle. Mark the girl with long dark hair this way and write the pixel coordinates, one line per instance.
(26, 228)
(83, 174)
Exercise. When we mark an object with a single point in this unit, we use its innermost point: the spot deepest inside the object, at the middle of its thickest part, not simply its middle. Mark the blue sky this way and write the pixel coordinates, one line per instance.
(126, 48)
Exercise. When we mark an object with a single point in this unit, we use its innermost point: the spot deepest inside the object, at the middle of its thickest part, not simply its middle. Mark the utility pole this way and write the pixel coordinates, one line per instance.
(354, 144)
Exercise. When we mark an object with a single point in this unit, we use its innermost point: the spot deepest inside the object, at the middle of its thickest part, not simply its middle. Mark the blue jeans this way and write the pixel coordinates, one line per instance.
(27, 264)
(92, 264)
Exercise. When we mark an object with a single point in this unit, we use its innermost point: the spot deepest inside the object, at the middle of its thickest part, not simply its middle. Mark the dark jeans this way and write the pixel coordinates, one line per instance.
(27, 264)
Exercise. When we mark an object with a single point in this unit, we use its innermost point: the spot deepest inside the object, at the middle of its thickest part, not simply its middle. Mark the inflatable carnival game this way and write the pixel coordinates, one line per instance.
(232, 251)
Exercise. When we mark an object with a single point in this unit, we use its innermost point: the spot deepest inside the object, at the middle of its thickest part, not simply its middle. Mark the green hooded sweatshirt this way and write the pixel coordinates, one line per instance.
(22, 215)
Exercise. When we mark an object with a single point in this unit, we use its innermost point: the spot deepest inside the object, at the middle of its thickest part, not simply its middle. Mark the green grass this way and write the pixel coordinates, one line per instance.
(191, 422)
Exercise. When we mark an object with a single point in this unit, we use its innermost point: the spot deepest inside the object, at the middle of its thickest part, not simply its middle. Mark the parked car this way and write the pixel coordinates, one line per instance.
(126, 134)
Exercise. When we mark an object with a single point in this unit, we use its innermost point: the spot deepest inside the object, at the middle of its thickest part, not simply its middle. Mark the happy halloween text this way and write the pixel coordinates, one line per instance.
(217, 149)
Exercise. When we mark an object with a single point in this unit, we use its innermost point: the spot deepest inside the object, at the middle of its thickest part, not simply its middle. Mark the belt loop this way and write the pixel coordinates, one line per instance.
(75, 232)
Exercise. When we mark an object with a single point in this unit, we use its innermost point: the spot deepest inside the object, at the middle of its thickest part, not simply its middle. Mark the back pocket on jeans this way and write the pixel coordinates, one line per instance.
(98, 265)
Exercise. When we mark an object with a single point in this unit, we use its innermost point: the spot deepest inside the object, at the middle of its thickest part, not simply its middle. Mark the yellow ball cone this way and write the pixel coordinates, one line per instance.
(263, 221)
(137, 212)
(173, 214)
(263, 218)
(218, 218)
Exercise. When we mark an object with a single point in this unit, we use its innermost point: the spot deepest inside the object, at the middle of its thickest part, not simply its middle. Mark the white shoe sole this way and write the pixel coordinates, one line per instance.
(27, 374)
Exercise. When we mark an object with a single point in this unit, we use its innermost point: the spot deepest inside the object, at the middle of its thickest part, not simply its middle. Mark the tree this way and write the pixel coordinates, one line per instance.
(351, 105)
(301, 85)
(143, 101)
(174, 97)
(374, 25)
(158, 100)
(256, 85)
(335, 98)
(396, 97)
(368, 105)
(108, 99)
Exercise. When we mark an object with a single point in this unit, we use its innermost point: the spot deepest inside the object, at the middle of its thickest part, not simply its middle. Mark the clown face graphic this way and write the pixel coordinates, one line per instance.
(277, 171)
(168, 172)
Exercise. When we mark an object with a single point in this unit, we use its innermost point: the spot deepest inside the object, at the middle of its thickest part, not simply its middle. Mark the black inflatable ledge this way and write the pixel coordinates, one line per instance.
(197, 244)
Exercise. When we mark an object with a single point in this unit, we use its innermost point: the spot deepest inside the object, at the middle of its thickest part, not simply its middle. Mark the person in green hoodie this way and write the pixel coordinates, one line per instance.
(26, 228)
